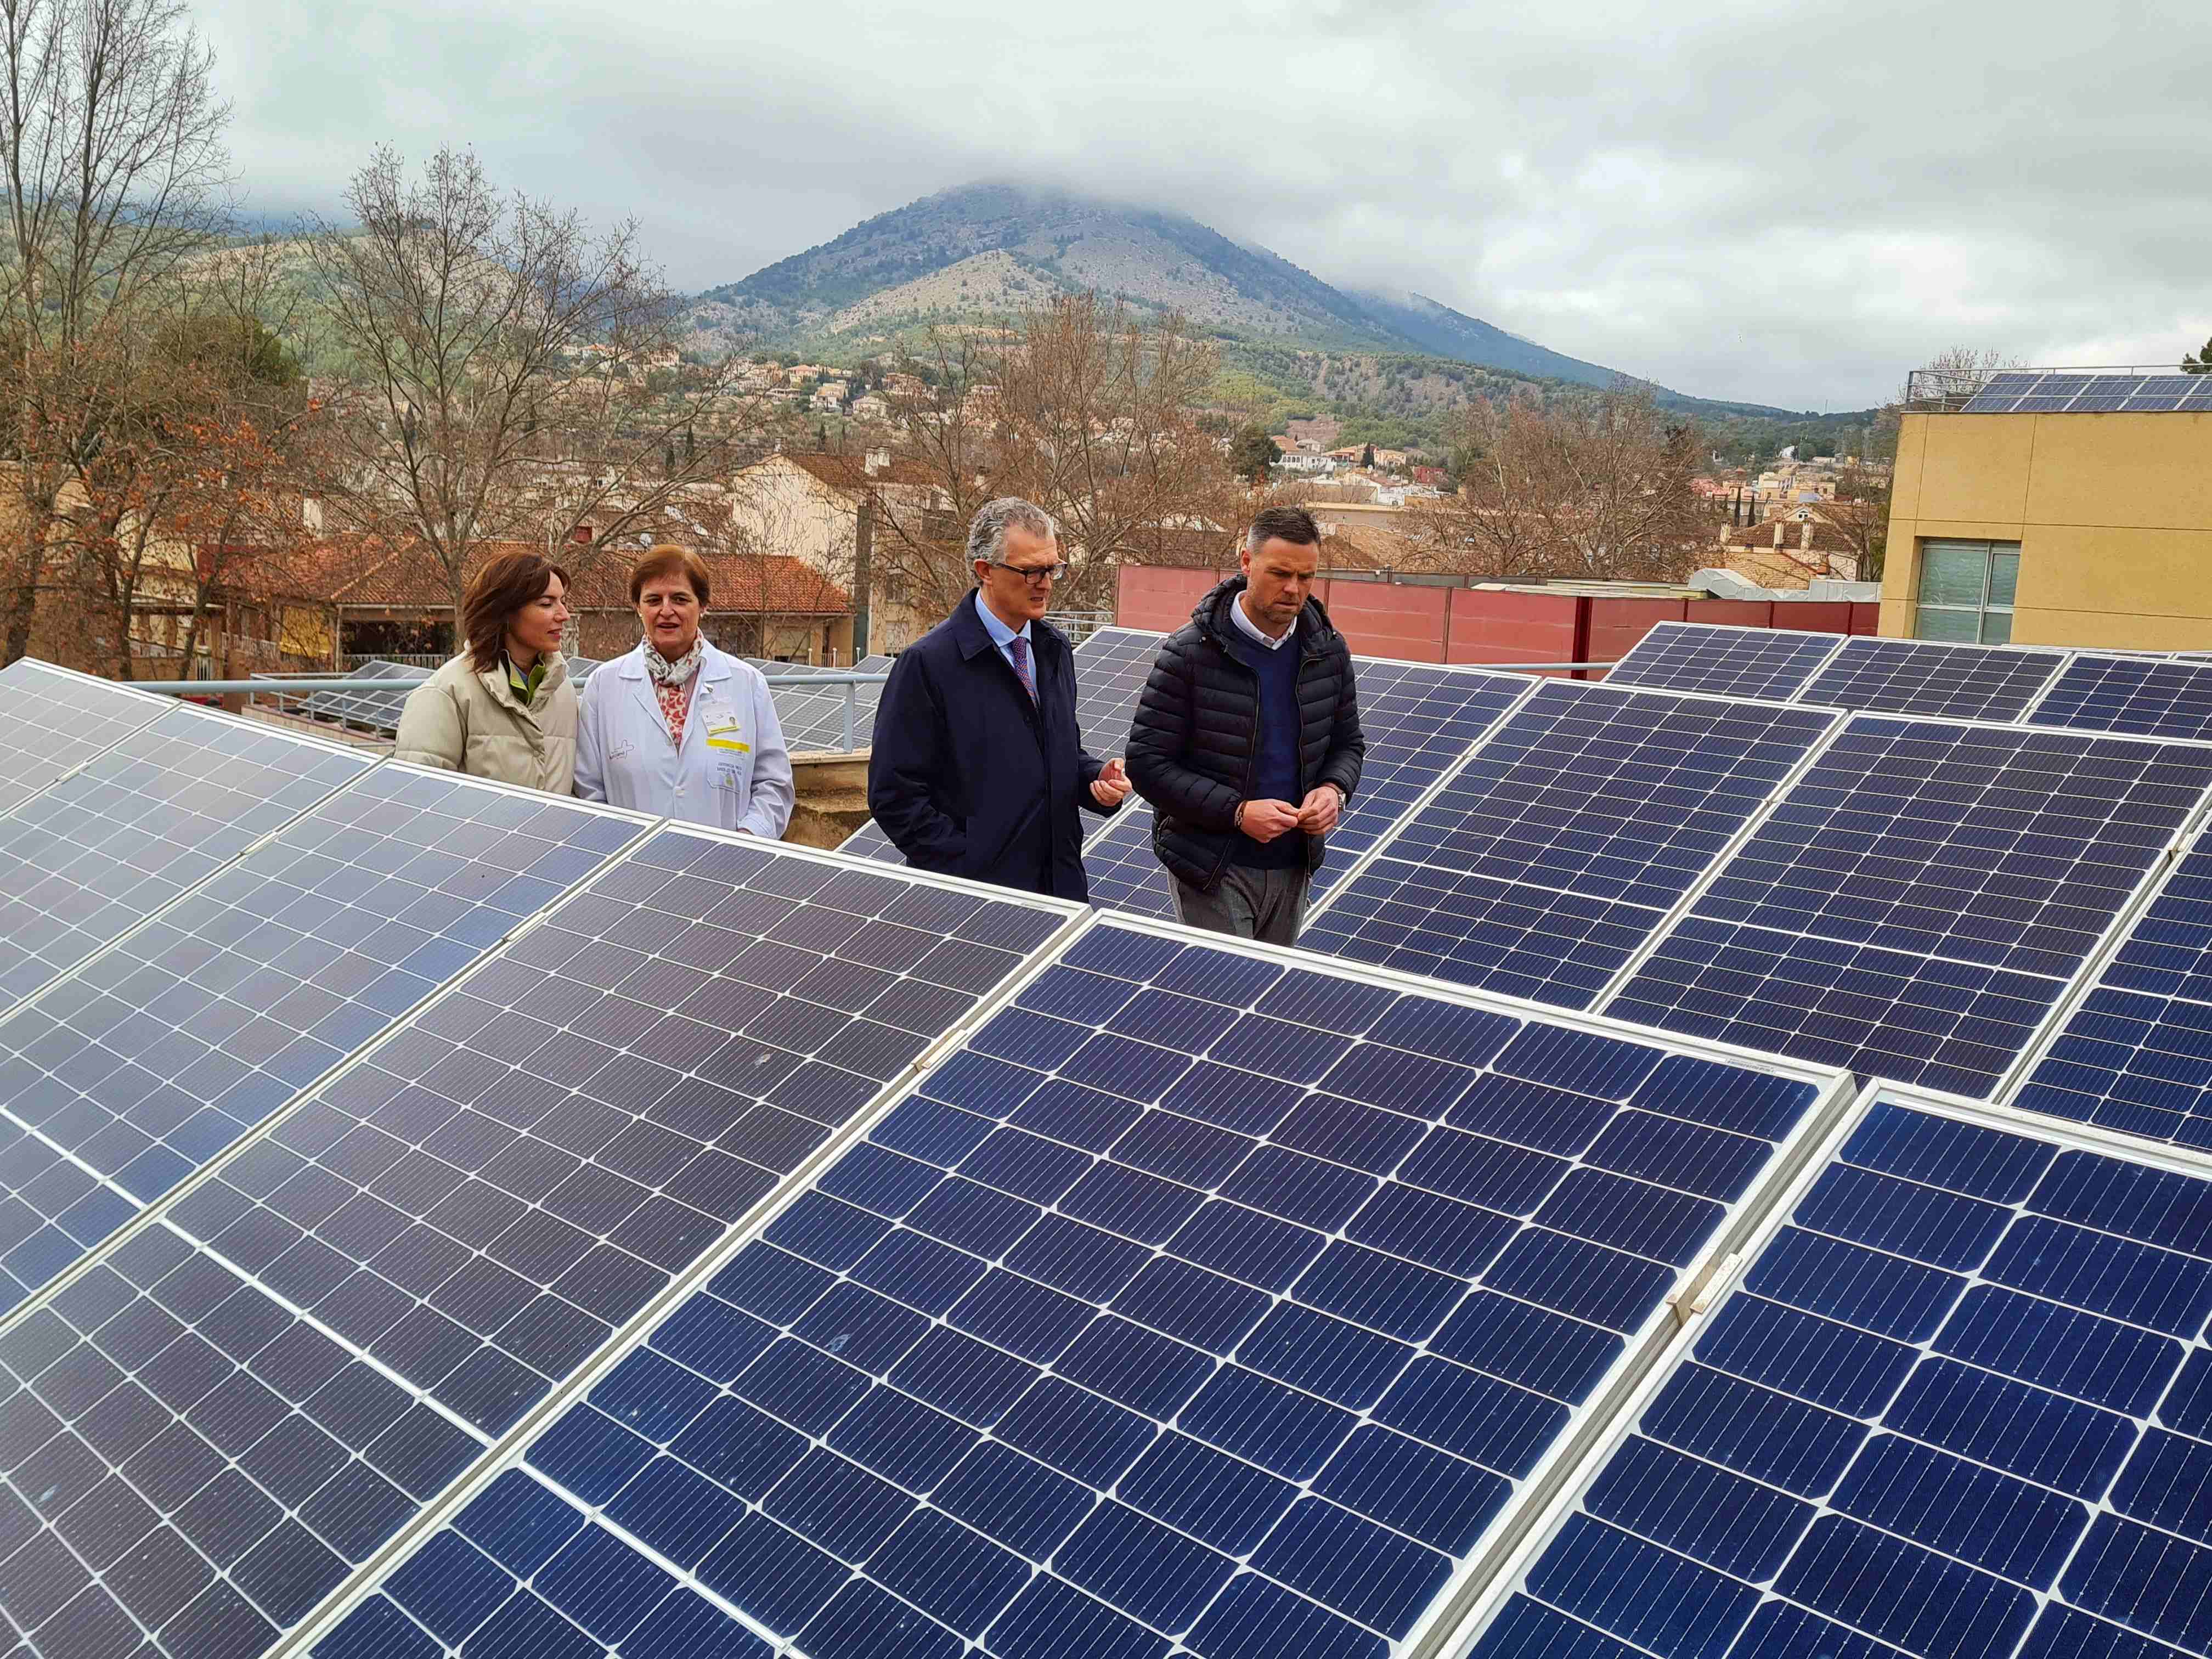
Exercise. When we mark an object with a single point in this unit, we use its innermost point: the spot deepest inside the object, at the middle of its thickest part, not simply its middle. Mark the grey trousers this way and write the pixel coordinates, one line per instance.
(1264, 904)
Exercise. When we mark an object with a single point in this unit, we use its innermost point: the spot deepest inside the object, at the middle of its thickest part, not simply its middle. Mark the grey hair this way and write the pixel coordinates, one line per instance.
(987, 533)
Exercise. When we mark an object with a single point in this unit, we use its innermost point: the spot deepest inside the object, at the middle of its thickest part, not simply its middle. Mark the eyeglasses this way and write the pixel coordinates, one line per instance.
(1035, 575)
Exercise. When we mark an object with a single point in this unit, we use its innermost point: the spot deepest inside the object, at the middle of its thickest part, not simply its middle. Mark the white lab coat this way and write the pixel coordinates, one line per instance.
(732, 769)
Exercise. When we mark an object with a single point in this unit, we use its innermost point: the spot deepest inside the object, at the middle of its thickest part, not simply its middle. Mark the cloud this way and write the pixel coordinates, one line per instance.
(1792, 202)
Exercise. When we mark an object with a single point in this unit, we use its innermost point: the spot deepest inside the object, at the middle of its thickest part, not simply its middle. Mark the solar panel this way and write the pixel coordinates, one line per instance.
(1914, 905)
(2134, 1055)
(254, 1393)
(103, 849)
(1173, 1306)
(1559, 846)
(1110, 669)
(379, 711)
(1736, 662)
(1417, 719)
(2076, 392)
(51, 719)
(2165, 699)
(1933, 676)
(123, 1079)
(1960, 1407)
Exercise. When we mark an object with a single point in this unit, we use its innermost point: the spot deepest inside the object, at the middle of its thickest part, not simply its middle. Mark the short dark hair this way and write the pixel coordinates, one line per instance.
(499, 590)
(1282, 524)
(666, 559)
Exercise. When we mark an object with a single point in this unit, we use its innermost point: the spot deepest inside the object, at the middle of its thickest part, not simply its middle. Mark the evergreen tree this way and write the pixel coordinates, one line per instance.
(2200, 363)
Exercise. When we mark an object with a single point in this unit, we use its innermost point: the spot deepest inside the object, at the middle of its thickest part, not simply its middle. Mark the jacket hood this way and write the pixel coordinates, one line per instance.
(1213, 619)
(493, 681)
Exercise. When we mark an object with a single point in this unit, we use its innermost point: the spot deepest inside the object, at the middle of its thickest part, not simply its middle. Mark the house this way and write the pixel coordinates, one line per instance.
(821, 510)
(361, 596)
(1790, 551)
(870, 407)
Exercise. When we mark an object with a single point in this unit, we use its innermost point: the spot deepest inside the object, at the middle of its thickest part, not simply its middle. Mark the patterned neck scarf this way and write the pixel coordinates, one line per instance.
(671, 684)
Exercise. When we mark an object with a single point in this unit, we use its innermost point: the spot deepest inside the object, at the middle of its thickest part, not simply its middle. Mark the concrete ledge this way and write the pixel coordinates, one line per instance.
(832, 797)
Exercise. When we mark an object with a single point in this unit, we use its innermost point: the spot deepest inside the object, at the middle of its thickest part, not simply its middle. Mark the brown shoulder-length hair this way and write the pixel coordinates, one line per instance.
(666, 559)
(498, 591)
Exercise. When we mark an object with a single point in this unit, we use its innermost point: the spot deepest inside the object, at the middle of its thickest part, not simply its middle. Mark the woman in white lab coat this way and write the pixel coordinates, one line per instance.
(677, 726)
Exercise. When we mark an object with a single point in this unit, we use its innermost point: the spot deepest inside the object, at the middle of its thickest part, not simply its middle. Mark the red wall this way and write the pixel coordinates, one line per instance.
(1485, 625)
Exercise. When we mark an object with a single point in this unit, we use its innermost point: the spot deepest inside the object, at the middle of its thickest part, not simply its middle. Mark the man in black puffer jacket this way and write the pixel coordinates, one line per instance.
(1247, 738)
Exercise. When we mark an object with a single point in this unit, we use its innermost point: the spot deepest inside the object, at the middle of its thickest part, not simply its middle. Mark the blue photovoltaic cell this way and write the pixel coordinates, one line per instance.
(1110, 667)
(1736, 662)
(2140, 694)
(100, 851)
(244, 1402)
(1417, 720)
(1915, 904)
(1553, 854)
(52, 721)
(2032, 392)
(1943, 1465)
(118, 1083)
(2136, 1055)
(1095, 1346)
(1933, 676)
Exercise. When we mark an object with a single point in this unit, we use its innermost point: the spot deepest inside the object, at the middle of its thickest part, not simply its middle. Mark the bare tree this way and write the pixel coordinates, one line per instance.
(1080, 407)
(1595, 487)
(110, 138)
(511, 374)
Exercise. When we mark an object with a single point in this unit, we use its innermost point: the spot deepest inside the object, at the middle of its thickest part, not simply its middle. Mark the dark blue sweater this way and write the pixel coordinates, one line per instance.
(1275, 773)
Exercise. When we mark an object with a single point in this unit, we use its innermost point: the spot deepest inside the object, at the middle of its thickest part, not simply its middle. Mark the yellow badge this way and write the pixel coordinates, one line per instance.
(723, 735)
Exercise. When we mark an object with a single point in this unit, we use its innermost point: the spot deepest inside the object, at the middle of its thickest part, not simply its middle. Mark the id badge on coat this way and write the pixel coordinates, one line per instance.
(724, 731)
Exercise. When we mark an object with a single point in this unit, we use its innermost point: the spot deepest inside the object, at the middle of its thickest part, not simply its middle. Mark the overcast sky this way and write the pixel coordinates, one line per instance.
(1763, 199)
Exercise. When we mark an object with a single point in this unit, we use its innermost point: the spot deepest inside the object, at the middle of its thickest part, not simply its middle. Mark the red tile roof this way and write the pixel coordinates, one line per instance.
(368, 572)
(849, 472)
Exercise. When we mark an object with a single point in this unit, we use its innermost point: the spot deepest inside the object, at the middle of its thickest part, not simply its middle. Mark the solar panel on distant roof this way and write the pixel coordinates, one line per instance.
(2141, 695)
(102, 850)
(123, 1079)
(2074, 391)
(1559, 846)
(1736, 662)
(1417, 719)
(1933, 676)
(1958, 1407)
(51, 719)
(1120, 1330)
(1914, 905)
(379, 711)
(352, 1308)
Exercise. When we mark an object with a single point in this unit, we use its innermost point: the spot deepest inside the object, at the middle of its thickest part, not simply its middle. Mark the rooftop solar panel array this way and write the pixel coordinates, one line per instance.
(120, 1081)
(1916, 903)
(1417, 719)
(101, 850)
(244, 1400)
(2139, 694)
(1931, 676)
(1959, 1407)
(1559, 846)
(2137, 1054)
(52, 721)
(2073, 391)
(1198, 1299)
(1773, 663)
(379, 711)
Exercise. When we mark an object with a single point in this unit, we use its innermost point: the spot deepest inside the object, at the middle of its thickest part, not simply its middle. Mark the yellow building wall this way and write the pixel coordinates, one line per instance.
(2113, 513)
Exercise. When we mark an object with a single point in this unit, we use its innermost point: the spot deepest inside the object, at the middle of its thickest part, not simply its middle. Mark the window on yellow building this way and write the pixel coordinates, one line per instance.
(1966, 590)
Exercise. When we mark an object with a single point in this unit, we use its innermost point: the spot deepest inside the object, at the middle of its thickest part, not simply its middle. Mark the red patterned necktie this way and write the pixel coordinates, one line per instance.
(1018, 648)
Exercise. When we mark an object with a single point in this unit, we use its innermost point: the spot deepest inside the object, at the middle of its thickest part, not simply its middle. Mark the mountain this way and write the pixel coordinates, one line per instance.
(977, 249)
(990, 249)
(1447, 333)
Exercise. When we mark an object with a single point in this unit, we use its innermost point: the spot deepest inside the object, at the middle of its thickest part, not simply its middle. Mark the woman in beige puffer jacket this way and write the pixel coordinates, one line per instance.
(504, 707)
